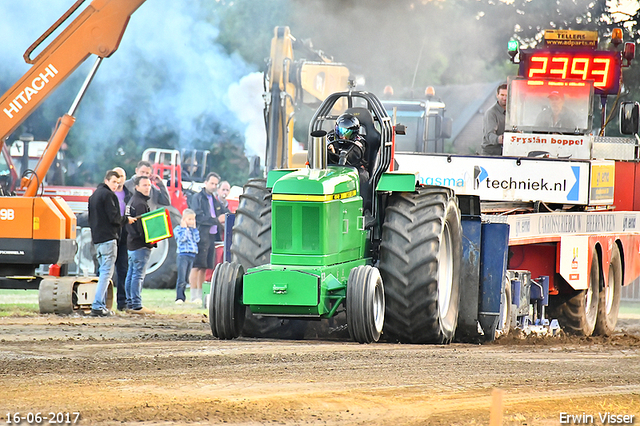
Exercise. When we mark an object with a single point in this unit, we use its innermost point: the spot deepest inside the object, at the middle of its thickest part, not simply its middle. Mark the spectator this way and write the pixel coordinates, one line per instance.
(187, 237)
(556, 114)
(210, 219)
(159, 195)
(493, 123)
(223, 193)
(189, 171)
(138, 249)
(105, 221)
(387, 92)
(122, 263)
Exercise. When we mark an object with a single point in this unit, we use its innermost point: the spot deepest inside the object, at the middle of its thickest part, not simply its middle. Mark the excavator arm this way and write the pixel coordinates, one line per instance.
(290, 83)
(42, 230)
(97, 30)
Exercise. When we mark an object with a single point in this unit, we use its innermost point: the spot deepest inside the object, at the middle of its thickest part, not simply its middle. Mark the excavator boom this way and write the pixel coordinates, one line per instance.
(97, 30)
(290, 84)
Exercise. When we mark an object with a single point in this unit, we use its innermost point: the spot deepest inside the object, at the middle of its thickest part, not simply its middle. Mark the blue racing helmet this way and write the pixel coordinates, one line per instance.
(347, 127)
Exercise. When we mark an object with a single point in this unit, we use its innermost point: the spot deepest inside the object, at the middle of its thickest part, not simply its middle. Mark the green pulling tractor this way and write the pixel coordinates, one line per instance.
(331, 238)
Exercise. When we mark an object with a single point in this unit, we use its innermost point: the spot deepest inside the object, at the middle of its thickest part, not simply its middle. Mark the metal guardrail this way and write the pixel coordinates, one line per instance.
(631, 293)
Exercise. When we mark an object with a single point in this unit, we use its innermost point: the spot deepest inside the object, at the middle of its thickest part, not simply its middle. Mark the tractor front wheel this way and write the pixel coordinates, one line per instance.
(365, 304)
(226, 311)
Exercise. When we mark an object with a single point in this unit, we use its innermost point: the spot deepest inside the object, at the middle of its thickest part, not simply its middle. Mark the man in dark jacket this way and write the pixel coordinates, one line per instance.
(137, 248)
(222, 207)
(210, 220)
(122, 263)
(105, 222)
(158, 195)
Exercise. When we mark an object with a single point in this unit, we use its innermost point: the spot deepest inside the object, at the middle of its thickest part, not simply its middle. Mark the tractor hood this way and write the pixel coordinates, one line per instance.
(331, 181)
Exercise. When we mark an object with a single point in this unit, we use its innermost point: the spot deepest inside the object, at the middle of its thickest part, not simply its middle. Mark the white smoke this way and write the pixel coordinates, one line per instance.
(245, 100)
(168, 75)
(22, 23)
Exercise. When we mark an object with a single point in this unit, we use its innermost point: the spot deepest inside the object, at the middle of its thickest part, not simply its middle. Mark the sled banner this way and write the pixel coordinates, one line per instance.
(504, 178)
(156, 225)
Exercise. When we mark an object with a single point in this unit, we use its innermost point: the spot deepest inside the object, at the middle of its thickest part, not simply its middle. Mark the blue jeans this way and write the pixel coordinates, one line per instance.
(135, 276)
(185, 263)
(107, 253)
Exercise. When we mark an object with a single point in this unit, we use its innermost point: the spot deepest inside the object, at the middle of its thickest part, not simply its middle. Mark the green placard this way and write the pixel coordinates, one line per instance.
(156, 225)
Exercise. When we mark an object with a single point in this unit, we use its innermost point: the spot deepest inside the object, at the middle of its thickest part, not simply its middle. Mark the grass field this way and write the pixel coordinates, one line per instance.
(25, 302)
(630, 308)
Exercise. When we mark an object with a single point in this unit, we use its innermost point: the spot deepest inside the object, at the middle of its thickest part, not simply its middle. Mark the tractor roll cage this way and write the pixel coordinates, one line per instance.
(373, 104)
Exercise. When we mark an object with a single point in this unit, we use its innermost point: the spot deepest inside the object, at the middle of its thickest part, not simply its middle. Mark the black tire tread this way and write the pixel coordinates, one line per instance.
(569, 309)
(226, 312)
(606, 324)
(408, 265)
(360, 301)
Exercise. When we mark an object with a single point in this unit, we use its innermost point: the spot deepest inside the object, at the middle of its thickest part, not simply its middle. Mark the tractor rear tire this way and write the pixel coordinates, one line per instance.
(226, 311)
(420, 259)
(365, 304)
(577, 311)
(609, 300)
(251, 247)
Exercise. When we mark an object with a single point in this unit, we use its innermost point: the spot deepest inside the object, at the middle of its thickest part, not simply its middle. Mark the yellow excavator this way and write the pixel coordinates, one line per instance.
(35, 229)
(290, 83)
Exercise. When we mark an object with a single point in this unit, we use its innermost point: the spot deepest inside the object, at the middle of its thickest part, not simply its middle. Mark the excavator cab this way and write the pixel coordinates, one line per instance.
(7, 170)
(194, 165)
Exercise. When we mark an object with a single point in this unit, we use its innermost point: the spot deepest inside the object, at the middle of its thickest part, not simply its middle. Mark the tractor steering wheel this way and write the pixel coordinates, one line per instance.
(345, 151)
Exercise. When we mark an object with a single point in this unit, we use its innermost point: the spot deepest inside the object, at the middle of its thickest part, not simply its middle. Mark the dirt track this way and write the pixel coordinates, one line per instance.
(169, 370)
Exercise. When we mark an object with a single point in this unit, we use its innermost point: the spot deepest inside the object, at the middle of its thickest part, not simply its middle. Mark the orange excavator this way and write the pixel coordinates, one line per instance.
(34, 229)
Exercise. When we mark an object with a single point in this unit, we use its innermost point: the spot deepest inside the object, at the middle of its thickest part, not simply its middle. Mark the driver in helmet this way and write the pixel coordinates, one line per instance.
(345, 145)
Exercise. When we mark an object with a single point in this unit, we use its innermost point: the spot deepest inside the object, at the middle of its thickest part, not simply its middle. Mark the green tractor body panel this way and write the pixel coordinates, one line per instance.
(297, 291)
(317, 218)
(330, 181)
(397, 182)
(318, 236)
(274, 175)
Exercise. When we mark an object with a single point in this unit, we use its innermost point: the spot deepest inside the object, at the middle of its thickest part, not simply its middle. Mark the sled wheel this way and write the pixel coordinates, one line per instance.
(577, 312)
(609, 300)
(504, 320)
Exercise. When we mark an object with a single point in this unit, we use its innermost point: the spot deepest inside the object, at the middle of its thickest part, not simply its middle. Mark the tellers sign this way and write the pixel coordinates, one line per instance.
(603, 67)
